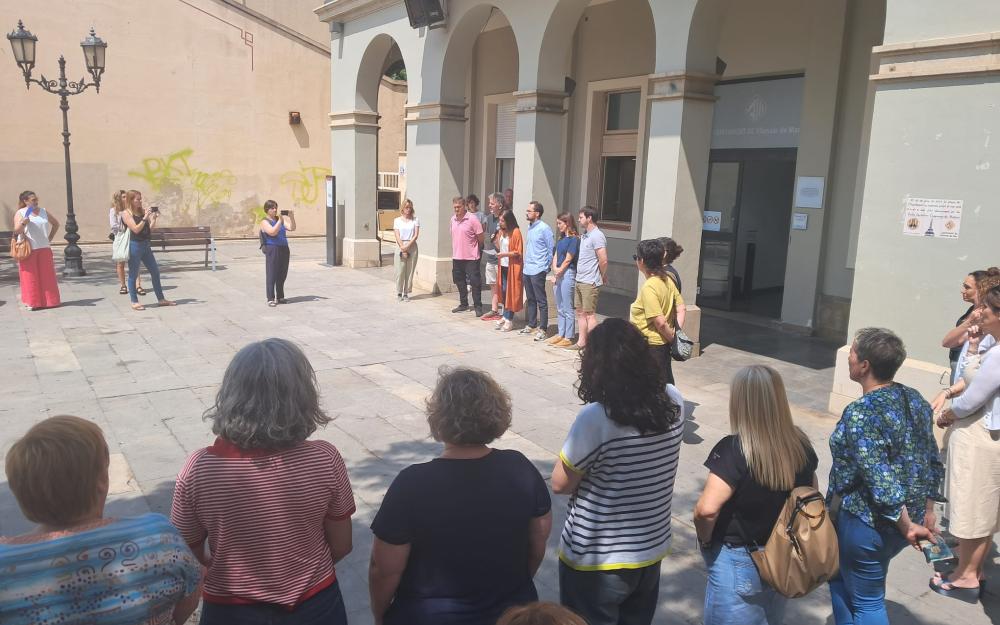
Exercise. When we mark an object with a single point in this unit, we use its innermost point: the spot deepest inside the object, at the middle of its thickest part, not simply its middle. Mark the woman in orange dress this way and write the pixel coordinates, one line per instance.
(511, 258)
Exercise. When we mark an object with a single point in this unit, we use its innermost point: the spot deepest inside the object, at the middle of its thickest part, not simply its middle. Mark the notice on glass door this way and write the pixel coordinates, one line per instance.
(927, 217)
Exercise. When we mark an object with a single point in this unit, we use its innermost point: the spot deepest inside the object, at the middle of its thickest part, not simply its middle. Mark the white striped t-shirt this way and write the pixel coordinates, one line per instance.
(262, 512)
(619, 516)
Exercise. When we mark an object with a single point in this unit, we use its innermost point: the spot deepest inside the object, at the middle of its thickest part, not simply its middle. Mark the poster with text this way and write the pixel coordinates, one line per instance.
(928, 217)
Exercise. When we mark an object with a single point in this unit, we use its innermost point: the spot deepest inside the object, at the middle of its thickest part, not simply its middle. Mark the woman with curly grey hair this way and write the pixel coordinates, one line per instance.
(275, 508)
(459, 539)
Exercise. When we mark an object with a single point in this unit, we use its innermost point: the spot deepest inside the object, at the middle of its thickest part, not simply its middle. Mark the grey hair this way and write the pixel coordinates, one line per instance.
(883, 350)
(497, 197)
(268, 398)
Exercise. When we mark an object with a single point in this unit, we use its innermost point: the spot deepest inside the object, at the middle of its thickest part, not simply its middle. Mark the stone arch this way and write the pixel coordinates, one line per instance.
(373, 63)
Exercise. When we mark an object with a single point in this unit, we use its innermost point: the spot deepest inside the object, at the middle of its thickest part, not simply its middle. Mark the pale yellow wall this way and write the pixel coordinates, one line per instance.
(494, 71)
(391, 133)
(190, 113)
(764, 37)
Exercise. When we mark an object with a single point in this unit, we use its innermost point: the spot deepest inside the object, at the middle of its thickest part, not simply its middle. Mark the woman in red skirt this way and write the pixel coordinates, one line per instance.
(39, 288)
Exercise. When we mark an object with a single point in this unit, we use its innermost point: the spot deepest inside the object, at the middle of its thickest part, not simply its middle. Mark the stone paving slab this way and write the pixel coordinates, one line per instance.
(147, 377)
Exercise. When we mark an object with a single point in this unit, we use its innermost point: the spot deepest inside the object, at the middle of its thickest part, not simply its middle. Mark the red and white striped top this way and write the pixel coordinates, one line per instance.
(262, 512)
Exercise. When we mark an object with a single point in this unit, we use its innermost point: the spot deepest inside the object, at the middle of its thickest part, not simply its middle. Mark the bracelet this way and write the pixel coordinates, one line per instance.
(948, 394)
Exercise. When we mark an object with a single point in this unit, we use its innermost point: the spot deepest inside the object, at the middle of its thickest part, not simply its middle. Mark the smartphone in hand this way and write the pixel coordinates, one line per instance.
(936, 552)
(284, 213)
(154, 209)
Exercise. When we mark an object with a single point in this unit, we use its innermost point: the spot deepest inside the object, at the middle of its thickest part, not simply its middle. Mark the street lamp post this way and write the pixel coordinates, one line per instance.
(23, 44)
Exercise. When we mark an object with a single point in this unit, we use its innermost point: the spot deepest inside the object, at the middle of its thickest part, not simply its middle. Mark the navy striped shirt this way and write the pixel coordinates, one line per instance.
(619, 517)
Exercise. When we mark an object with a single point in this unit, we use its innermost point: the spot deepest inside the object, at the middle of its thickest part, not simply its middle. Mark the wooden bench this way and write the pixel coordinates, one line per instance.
(384, 231)
(5, 238)
(184, 239)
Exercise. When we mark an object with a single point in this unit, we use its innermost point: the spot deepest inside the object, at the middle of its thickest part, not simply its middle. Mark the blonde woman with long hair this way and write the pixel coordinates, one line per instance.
(751, 473)
(118, 226)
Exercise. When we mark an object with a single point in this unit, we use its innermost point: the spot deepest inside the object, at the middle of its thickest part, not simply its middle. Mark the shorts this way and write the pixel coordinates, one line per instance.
(491, 273)
(585, 297)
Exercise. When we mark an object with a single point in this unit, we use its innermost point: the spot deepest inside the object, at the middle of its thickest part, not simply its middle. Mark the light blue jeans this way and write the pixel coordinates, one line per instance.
(141, 252)
(565, 313)
(735, 593)
(858, 592)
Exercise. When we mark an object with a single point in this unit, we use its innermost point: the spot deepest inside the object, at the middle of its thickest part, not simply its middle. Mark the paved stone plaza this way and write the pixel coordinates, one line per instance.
(147, 377)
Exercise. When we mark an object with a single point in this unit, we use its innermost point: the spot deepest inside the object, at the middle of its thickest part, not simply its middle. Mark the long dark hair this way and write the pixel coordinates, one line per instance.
(617, 370)
(509, 221)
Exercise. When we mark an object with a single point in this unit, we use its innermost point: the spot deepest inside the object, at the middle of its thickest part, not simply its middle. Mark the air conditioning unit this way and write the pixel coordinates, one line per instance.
(429, 13)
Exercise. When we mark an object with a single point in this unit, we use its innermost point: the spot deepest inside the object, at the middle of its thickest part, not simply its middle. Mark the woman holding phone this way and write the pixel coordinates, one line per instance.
(276, 251)
(141, 222)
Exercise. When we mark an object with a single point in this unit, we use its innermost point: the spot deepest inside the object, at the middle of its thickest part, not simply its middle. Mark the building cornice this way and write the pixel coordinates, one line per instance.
(967, 55)
(354, 119)
(540, 102)
(683, 86)
(436, 112)
(347, 10)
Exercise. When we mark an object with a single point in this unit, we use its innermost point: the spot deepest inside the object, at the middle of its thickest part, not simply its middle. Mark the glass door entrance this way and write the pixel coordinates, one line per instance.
(746, 223)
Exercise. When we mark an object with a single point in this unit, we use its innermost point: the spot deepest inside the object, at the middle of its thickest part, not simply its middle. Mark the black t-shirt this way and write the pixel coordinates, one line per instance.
(756, 507)
(466, 522)
(954, 352)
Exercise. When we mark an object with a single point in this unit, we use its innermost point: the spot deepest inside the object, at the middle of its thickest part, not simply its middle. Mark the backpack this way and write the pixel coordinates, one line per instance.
(802, 551)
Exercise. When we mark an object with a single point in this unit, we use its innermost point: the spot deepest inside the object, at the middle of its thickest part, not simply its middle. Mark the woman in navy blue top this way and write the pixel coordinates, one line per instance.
(274, 244)
(564, 278)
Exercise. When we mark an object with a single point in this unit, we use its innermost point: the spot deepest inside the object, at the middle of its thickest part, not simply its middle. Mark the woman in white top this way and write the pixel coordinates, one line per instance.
(973, 470)
(406, 227)
(117, 227)
(39, 288)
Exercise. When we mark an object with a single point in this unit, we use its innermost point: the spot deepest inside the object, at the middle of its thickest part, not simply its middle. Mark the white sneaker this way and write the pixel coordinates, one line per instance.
(508, 325)
(541, 335)
(500, 322)
(526, 330)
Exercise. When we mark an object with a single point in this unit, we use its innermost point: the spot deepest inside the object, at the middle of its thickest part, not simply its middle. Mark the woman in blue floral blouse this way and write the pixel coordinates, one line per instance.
(886, 470)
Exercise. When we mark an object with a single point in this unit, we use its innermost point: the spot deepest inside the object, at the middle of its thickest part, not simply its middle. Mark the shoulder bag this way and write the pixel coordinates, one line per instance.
(120, 246)
(20, 248)
(682, 346)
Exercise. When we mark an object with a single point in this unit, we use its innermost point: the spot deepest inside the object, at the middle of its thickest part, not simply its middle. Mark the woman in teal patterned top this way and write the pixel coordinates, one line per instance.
(888, 473)
(79, 567)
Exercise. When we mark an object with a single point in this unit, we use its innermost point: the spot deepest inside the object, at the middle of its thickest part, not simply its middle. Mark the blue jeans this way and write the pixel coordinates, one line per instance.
(141, 252)
(612, 597)
(566, 314)
(536, 301)
(858, 592)
(324, 608)
(508, 314)
(735, 592)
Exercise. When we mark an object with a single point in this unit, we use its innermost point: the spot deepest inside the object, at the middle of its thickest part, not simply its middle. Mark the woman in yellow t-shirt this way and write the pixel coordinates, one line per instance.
(653, 310)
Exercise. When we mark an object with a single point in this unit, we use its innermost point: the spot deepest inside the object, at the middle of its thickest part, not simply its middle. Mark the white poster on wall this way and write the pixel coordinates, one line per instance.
(809, 192)
(712, 221)
(928, 217)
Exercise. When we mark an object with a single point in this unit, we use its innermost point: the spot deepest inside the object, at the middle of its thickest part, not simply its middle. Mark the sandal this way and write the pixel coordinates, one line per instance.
(272, 303)
(138, 307)
(166, 302)
(140, 290)
(968, 595)
(123, 290)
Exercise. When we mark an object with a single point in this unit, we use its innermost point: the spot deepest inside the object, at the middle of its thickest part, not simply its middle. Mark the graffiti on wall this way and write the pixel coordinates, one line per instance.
(305, 184)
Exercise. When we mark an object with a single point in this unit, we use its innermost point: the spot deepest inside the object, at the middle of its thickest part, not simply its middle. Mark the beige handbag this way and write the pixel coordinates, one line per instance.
(20, 249)
(802, 551)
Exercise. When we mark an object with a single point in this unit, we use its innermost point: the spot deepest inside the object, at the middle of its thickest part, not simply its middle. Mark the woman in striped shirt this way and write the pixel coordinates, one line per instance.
(618, 466)
(274, 507)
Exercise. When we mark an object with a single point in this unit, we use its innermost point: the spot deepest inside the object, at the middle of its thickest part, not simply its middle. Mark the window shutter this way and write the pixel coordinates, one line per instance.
(506, 130)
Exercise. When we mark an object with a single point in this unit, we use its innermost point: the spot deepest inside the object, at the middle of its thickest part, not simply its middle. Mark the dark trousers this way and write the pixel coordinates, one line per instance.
(536, 301)
(614, 597)
(661, 354)
(324, 608)
(276, 260)
(467, 270)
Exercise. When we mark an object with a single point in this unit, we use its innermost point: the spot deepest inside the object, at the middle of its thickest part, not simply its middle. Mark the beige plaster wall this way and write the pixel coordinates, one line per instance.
(764, 37)
(392, 131)
(494, 71)
(193, 112)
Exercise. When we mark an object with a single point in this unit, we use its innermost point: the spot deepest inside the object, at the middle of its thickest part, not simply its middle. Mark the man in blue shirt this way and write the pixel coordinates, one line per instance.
(538, 248)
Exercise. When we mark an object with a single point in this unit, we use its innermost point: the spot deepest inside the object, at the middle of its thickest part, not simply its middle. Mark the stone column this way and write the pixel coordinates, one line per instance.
(353, 142)
(679, 137)
(540, 151)
(436, 165)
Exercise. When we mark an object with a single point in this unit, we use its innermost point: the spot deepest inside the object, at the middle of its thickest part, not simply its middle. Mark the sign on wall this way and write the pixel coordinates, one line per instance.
(926, 217)
(809, 192)
(712, 221)
(758, 114)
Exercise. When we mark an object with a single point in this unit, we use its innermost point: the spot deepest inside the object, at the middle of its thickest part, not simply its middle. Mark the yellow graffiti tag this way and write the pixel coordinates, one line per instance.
(306, 183)
(174, 169)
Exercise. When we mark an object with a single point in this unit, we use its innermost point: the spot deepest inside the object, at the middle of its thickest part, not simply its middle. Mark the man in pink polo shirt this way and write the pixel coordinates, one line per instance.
(466, 239)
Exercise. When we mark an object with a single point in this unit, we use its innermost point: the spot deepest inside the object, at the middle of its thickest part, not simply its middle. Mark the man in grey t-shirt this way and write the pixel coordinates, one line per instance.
(591, 273)
(491, 222)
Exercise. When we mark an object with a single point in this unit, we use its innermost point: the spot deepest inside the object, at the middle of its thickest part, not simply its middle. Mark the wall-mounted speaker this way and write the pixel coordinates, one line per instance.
(425, 12)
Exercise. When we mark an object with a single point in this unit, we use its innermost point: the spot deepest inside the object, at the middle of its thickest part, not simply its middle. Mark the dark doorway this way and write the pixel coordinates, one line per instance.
(745, 244)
